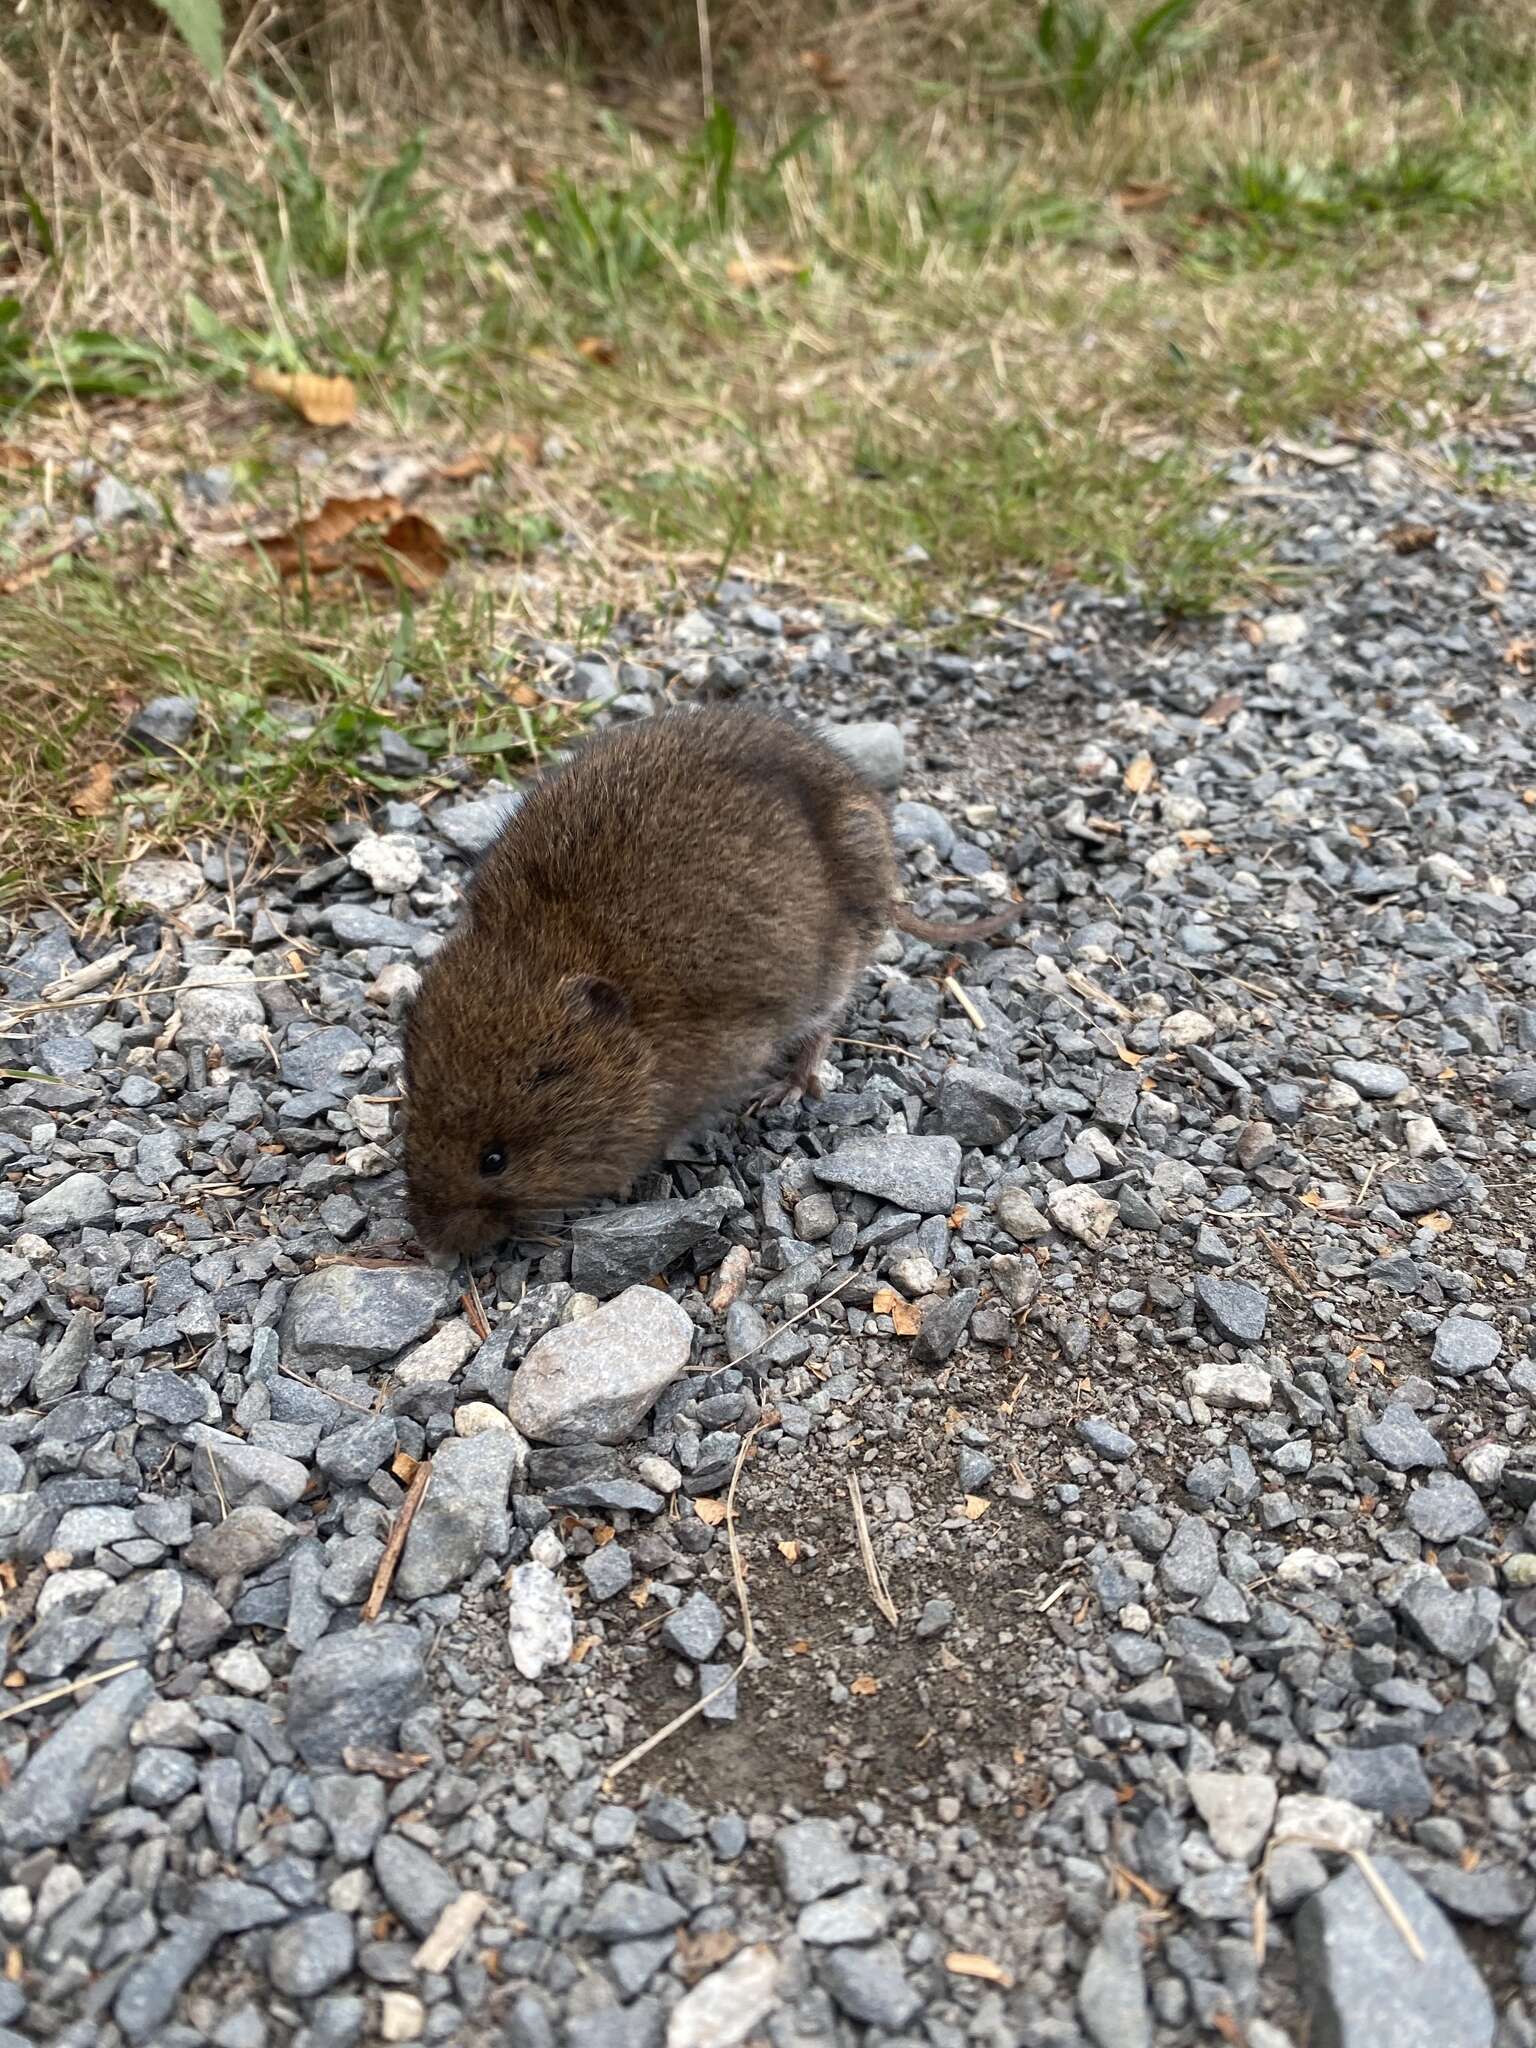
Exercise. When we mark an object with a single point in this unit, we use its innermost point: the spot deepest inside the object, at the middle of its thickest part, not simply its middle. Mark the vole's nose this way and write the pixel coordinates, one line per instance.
(447, 1234)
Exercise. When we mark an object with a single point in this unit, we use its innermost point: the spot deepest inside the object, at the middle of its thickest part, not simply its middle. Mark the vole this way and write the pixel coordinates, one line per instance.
(671, 916)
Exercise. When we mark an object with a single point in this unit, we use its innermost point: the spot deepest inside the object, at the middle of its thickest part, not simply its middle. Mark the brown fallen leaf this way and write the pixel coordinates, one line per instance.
(864, 1687)
(14, 458)
(731, 1278)
(961, 1963)
(597, 348)
(412, 553)
(698, 1954)
(1138, 196)
(973, 1507)
(906, 1317)
(823, 70)
(758, 268)
(1221, 708)
(710, 1512)
(789, 1550)
(583, 1649)
(1132, 1059)
(1435, 1221)
(1410, 539)
(508, 446)
(92, 795)
(322, 401)
(640, 1596)
(800, 1647)
(403, 1466)
(1517, 655)
(1141, 775)
(393, 1764)
(313, 546)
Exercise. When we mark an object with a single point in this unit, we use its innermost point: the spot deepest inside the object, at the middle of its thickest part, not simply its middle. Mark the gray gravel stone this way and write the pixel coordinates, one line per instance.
(358, 1316)
(619, 1248)
(1112, 1997)
(355, 1689)
(164, 725)
(463, 1513)
(869, 1984)
(979, 1106)
(1389, 1781)
(74, 1202)
(1106, 1441)
(1374, 1079)
(1445, 1511)
(875, 748)
(913, 1173)
(52, 1793)
(415, 1885)
(694, 1629)
(1364, 1987)
(596, 1380)
(1464, 1345)
(1457, 1625)
(310, 1954)
(1401, 1441)
(811, 1859)
(1237, 1310)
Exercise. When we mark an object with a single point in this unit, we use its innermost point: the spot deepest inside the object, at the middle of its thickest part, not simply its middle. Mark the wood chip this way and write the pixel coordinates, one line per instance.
(962, 1963)
(455, 1924)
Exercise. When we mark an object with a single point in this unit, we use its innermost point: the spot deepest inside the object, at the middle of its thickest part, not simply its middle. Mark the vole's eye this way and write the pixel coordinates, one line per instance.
(493, 1159)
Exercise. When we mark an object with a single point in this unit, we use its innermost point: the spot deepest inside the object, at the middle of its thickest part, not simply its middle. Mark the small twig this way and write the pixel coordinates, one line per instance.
(749, 1646)
(1051, 1598)
(91, 975)
(953, 988)
(901, 1052)
(383, 1578)
(706, 59)
(62, 1692)
(789, 1322)
(218, 1484)
(877, 1586)
(474, 1308)
(291, 1372)
(1367, 1870)
(1282, 1259)
(159, 988)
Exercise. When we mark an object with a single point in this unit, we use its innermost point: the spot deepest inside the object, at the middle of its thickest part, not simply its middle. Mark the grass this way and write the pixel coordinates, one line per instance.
(962, 297)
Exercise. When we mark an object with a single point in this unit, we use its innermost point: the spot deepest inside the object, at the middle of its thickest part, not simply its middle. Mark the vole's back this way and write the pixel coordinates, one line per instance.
(728, 869)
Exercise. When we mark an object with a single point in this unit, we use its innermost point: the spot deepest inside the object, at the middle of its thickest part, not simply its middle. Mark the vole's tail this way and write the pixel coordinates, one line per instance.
(956, 934)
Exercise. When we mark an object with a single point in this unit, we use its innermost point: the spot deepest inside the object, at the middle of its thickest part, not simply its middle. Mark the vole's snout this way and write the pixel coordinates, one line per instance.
(458, 1231)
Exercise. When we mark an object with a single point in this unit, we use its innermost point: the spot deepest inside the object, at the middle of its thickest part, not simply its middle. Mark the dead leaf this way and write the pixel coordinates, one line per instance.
(1517, 655)
(312, 545)
(1495, 582)
(749, 273)
(1363, 833)
(597, 348)
(583, 1649)
(864, 1687)
(640, 1596)
(412, 553)
(961, 1963)
(15, 458)
(1132, 1059)
(403, 1465)
(1410, 539)
(1138, 196)
(823, 70)
(698, 1954)
(789, 1550)
(92, 795)
(507, 446)
(323, 401)
(15, 1967)
(1221, 708)
(800, 1647)
(731, 1278)
(906, 1317)
(1435, 1221)
(393, 1764)
(1252, 632)
(973, 1507)
(1141, 775)
(710, 1512)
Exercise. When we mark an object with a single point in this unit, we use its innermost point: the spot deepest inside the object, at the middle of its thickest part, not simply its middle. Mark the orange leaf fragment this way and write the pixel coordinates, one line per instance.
(789, 1550)
(864, 1687)
(711, 1512)
(1142, 196)
(412, 553)
(973, 1507)
(322, 401)
(1140, 775)
(597, 348)
(92, 794)
(14, 458)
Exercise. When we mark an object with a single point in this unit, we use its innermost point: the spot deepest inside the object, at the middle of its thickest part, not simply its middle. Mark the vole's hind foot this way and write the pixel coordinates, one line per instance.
(803, 1078)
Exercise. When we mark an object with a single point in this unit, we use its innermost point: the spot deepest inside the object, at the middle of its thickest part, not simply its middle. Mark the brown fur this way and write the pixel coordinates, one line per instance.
(684, 904)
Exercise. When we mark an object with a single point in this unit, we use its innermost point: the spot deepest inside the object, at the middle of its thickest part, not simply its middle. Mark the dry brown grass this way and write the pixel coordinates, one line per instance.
(1012, 332)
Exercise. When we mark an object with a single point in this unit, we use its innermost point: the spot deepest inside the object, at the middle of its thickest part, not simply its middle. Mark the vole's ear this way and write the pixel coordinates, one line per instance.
(591, 998)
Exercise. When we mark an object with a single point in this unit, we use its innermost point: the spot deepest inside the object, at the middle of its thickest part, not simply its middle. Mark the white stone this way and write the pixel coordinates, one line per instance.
(1225, 1384)
(1309, 1817)
(727, 2005)
(1082, 1214)
(1186, 1027)
(164, 886)
(439, 1357)
(476, 1417)
(1237, 1809)
(391, 861)
(1284, 629)
(540, 1626)
(220, 1000)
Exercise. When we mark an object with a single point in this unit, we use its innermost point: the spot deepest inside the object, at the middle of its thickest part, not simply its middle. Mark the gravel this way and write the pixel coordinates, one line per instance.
(1174, 1321)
